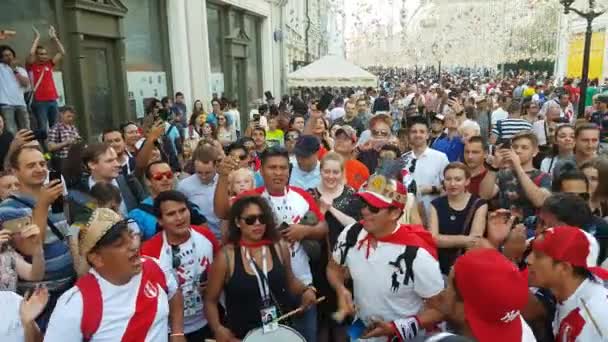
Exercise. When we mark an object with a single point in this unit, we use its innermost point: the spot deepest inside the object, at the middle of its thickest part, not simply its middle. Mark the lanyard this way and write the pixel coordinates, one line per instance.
(263, 285)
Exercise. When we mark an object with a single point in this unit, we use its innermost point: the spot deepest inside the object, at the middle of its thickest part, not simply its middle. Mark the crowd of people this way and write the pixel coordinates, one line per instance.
(453, 207)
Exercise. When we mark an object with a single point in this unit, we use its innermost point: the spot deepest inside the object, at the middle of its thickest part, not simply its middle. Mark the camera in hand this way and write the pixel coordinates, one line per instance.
(57, 206)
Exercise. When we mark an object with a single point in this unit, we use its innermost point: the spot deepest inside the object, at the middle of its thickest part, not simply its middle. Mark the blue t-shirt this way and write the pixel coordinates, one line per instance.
(452, 147)
(146, 221)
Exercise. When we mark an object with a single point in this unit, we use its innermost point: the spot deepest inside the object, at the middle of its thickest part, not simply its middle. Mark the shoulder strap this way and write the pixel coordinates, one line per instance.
(51, 225)
(147, 208)
(466, 227)
(91, 298)
(539, 178)
(351, 240)
(410, 255)
(499, 128)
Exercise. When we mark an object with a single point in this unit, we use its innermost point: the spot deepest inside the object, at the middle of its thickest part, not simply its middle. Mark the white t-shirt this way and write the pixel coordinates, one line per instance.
(498, 114)
(579, 317)
(11, 91)
(380, 290)
(291, 208)
(336, 113)
(427, 172)
(118, 308)
(195, 255)
(11, 328)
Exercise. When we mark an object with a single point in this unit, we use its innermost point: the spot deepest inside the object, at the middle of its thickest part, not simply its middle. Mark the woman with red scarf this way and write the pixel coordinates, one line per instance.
(254, 272)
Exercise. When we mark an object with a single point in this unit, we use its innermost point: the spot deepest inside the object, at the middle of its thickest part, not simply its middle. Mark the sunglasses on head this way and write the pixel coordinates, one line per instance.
(253, 219)
(176, 261)
(159, 176)
(371, 208)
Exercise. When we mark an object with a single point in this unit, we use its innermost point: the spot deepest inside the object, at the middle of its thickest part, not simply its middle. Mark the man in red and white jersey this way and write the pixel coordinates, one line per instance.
(188, 251)
(124, 297)
(563, 259)
(292, 206)
(394, 267)
(485, 297)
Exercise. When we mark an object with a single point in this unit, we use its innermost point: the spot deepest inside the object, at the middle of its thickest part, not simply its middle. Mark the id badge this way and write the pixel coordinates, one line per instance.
(269, 314)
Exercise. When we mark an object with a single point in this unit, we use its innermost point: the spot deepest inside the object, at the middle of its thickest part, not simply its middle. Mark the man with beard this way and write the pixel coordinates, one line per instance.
(132, 296)
(350, 118)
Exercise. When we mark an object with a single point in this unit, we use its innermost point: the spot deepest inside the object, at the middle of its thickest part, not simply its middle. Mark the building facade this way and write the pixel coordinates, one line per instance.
(122, 52)
(570, 44)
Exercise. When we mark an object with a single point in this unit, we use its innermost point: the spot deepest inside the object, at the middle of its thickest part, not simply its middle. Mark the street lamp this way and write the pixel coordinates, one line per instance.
(589, 16)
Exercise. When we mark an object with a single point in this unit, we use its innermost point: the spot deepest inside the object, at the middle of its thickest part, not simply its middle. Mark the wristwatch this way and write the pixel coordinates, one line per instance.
(489, 166)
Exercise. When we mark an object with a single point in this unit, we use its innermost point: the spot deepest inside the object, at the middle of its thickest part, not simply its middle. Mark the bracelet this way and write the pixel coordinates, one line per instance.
(490, 167)
(176, 334)
(310, 287)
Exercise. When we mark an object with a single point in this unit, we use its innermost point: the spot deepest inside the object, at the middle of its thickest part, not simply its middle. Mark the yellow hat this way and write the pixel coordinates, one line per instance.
(100, 222)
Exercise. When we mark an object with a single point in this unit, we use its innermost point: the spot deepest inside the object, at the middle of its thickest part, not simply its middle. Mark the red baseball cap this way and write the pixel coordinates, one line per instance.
(381, 197)
(572, 245)
(494, 293)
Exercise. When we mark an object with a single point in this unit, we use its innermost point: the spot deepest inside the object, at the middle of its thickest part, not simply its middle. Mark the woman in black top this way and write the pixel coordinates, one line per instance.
(458, 219)
(239, 270)
(341, 207)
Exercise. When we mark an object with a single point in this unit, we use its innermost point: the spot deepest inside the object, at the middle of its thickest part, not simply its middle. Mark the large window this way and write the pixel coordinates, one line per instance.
(143, 35)
(215, 38)
(20, 15)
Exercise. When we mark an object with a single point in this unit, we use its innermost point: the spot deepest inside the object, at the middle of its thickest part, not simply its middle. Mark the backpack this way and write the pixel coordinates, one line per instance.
(92, 298)
(409, 256)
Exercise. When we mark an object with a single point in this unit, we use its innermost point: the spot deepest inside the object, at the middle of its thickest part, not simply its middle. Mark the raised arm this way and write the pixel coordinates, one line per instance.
(60, 49)
(32, 56)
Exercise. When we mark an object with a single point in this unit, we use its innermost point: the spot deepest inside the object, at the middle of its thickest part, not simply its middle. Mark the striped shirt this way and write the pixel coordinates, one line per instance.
(507, 128)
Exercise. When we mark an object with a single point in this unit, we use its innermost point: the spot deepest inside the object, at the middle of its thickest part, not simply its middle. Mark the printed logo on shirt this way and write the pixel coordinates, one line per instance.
(150, 290)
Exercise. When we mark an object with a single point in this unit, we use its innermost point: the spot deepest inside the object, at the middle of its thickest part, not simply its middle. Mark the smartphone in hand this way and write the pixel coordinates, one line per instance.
(57, 206)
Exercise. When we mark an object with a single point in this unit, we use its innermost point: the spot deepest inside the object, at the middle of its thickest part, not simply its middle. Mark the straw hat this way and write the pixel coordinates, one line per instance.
(99, 224)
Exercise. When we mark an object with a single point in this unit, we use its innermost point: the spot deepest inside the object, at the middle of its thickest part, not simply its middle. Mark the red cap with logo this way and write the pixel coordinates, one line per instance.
(494, 293)
(382, 193)
(572, 245)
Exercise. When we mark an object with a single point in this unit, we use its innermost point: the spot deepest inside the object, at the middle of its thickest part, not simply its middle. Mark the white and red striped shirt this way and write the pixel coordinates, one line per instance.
(195, 255)
(584, 316)
(290, 207)
(137, 311)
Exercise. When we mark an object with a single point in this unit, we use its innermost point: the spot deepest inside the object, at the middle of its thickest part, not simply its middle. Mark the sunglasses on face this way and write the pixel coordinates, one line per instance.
(241, 157)
(412, 168)
(380, 133)
(583, 195)
(176, 261)
(161, 175)
(292, 137)
(371, 208)
(253, 219)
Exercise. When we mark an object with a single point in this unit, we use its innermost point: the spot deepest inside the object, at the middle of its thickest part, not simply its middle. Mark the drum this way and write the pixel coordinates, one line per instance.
(282, 334)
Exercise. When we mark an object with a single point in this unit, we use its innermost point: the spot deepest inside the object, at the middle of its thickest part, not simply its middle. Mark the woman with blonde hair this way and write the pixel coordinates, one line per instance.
(340, 205)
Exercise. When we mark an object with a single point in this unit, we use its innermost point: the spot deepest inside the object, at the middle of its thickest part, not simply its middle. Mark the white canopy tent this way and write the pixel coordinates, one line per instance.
(331, 71)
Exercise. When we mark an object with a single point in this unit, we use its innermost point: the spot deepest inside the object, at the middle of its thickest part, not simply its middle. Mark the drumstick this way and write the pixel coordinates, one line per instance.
(296, 311)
